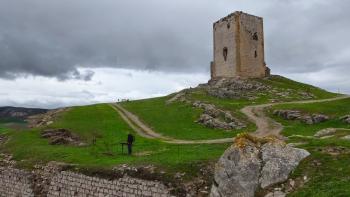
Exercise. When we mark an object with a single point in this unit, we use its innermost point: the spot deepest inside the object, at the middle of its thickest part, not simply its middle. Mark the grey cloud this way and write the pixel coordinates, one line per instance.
(53, 38)
(306, 36)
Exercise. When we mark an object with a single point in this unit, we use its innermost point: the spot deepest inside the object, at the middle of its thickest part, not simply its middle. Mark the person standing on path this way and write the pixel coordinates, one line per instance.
(131, 140)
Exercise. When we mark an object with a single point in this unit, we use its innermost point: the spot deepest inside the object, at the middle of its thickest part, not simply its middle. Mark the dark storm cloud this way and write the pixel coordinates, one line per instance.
(53, 38)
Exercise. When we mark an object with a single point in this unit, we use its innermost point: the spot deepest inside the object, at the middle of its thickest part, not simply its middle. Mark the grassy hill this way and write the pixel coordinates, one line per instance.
(101, 123)
(328, 166)
(178, 119)
(104, 124)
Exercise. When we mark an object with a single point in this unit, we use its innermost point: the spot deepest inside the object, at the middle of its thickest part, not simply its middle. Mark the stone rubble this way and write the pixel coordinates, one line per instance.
(325, 132)
(234, 88)
(217, 118)
(347, 137)
(61, 136)
(45, 119)
(298, 115)
(248, 165)
(346, 119)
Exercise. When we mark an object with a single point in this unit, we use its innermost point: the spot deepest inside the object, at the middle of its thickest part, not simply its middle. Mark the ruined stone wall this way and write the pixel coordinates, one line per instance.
(15, 182)
(72, 184)
(241, 35)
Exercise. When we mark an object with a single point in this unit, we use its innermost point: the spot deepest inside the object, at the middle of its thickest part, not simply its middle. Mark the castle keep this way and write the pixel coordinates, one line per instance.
(239, 47)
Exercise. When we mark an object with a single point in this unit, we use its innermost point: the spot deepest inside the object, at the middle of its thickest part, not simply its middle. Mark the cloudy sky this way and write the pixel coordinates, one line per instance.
(63, 52)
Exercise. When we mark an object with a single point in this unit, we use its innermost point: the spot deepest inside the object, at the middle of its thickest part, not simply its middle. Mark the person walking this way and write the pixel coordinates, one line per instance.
(131, 139)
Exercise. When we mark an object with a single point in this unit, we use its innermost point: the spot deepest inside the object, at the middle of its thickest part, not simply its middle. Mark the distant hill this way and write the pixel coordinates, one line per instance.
(18, 113)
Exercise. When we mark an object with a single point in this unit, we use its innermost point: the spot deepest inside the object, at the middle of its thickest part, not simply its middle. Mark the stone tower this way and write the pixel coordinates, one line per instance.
(239, 47)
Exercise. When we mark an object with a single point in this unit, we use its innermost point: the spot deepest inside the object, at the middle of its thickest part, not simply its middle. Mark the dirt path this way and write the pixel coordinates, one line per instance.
(145, 131)
(265, 125)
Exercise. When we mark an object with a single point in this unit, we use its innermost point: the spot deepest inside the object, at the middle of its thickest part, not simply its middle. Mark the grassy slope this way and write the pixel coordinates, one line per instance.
(332, 177)
(329, 179)
(102, 121)
(2, 129)
(178, 120)
(333, 109)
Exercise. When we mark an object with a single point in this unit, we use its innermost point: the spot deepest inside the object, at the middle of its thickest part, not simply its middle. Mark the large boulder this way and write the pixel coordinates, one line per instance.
(253, 163)
(279, 160)
(237, 172)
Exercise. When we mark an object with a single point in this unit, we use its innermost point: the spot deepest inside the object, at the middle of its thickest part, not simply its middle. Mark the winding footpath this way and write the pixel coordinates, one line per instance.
(266, 126)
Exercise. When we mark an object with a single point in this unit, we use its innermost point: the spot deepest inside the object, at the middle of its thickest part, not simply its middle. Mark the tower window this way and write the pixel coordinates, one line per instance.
(228, 26)
(224, 53)
(255, 54)
(255, 36)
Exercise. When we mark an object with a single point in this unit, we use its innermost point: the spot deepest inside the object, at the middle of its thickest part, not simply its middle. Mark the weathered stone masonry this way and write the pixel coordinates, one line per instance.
(239, 47)
(72, 184)
(15, 182)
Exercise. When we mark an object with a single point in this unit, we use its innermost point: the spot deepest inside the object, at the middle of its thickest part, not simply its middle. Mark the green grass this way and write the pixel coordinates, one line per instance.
(329, 179)
(296, 87)
(334, 109)
(3, 129)
(332, 177)
(176, 120)
(103, 122)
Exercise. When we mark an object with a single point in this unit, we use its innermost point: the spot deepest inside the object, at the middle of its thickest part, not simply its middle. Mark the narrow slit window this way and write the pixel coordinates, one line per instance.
(224, 53)
(255, 54)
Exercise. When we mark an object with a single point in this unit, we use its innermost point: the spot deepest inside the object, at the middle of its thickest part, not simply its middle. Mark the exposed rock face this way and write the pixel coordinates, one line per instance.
(44, 119)
(297, 115)
(346, 119)
(237, 172)
(61, 136)
(217, 118)
(278, 161)
(248, 165)
(234, 88)
(325, 132)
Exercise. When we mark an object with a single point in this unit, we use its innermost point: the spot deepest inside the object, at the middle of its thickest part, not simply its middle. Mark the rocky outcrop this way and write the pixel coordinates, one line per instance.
(217, 118)
(61, 136)
(347, 137)
(346, 119)
(325, 132)
(235, 88)
(253, 163)
(45, 119)
(298, 115)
